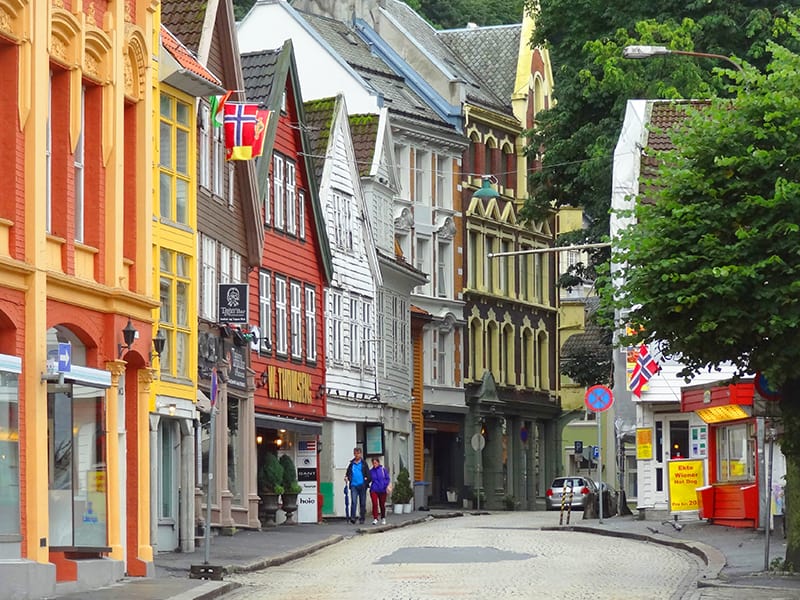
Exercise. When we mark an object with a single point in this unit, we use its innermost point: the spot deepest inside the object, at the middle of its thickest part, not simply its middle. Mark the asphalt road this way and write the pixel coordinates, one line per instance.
(480, 557)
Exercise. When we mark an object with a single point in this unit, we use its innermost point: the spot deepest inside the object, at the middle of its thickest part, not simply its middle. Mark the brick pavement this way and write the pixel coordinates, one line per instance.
(734, 558)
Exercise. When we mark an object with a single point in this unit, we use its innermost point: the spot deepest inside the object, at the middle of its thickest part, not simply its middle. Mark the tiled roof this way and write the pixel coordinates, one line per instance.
(478, 90)
(491, 52)
(319, 117)
(185, 57)
(398, 96)
(364, 130)
(258, 70)
(594, 340)
(665, 115)
(185, 19)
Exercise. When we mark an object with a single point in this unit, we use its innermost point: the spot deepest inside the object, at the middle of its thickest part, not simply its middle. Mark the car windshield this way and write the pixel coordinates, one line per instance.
(574, 482)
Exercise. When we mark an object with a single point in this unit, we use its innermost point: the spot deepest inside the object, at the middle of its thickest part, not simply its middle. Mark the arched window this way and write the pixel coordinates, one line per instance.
(476, 349)
(528, 359)
(509, 372)
(543, 365)
(493, 349)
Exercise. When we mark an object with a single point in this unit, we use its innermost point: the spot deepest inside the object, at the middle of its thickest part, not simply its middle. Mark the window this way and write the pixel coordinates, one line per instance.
(267, 203)
(9, 450)
(174, 314)
(174, 135)
(224, 264)
(423, 263)
(508, 371)
(355, 332)
(204, 149)
(504, 262)
(301, 213)
(281, 340)
(528, 359)
(525, 274)
(473, 250)
(235, 455)
(168, 463)
(343, 220)
(488, 264)
(78, 166)
(311, 323)
(278, 197)
(422, 177)
(291, 198)
(208, 308)
(367, 340)
(297, 320)
(264, 311)
(493, 349)
(403, 164)
(444, 191)
(735, 453)
(538, 282)
(444, 272)
(334, 319)
(76, 436)
(476, 354)
(218, 166)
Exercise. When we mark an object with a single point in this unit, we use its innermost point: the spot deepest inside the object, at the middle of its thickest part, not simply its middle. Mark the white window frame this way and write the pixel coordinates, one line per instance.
(225, 264)
(204, 149)
(209, 295)
(444, 269)
(281, 337)
(311, 323)
(264, 311)
(367, 328)
(278, 194)
(291, 197)
(355, 332)
(296, 312)
(218, 162)
(301, 214)
(267, 202)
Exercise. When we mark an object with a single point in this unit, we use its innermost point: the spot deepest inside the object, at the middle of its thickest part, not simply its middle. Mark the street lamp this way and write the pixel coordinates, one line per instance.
(639, 52)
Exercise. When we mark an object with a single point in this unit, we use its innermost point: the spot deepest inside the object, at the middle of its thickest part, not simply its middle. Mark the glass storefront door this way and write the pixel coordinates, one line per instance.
(76, 438)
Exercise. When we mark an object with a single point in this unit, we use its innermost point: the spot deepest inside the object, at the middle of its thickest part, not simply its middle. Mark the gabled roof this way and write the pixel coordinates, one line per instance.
(185, 19)
(319, 119)
(491, 52)
(266, 74)
(452, 65)
(181, 69)
(398, 96)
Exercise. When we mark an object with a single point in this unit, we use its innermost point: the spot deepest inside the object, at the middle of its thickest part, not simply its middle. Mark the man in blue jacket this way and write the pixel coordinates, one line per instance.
(357, 477)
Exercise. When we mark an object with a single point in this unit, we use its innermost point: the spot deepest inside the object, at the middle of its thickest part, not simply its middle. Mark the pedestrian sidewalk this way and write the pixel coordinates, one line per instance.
(733, 557)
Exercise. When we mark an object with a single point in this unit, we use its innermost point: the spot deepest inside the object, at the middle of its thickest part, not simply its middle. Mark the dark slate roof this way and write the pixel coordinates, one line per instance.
(319, 120)
(478, 90)
(185, 19)
(491, 52)
(398, 96)
(594, 341)
(258, 70)
(364, 131)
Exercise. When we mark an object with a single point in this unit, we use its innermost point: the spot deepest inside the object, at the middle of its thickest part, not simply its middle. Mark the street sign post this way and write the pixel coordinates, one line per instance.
(599, 399)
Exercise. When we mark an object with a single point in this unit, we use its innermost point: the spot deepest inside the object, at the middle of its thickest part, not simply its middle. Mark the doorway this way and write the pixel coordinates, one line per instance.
(671, 443)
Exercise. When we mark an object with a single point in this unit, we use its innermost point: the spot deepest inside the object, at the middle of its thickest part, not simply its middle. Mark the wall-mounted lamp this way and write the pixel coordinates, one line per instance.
(159, 342)
(129, 334)
(170, 407)
(263, 379)
(259, 439)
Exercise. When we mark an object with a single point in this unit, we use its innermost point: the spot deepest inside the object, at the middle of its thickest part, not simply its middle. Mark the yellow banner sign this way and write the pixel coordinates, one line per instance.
(287, 384)
(644, 444)
(685, 476)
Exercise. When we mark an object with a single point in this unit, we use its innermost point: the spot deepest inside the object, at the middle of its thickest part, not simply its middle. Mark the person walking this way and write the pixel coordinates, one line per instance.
(381, 485)
(357, 477)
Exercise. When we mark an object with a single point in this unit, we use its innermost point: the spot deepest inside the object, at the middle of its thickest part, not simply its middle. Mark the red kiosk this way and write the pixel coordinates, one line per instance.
(734, 413)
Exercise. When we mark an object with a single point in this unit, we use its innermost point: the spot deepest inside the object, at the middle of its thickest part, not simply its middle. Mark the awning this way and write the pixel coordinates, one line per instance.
(203, 402)
(298, 425)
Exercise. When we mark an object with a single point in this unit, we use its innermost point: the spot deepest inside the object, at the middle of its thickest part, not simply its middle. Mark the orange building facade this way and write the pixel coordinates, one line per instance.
(75, 314)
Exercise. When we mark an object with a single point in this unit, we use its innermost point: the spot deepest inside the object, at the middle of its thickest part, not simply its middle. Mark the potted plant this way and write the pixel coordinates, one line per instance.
(270, 486)
(291, 488)
(402, 492)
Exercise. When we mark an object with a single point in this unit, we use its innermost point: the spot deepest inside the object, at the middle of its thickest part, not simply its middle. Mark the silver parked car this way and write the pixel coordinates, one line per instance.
(580, 487)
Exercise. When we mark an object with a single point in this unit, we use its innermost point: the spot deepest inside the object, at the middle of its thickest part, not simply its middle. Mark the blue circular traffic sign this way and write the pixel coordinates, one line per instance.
(598, 398)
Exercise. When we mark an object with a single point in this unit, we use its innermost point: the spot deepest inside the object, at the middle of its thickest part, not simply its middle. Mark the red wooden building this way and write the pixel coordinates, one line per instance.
(287, 290)
(737, 418)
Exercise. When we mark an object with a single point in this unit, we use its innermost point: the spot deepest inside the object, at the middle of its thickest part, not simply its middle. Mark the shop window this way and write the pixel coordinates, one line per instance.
(735, 453)
(9, 454)
(76, 466)
(235, 474)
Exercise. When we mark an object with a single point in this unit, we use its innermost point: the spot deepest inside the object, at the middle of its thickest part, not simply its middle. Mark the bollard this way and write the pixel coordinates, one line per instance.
(563, 500)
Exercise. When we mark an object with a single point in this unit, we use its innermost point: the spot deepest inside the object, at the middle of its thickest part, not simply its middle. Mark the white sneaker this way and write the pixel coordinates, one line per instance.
(374, 521)
(383, 521)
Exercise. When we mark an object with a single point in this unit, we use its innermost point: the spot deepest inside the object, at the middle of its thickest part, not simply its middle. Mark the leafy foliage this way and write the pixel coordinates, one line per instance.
(712, 267)
(289, 482)
(402, 492)
(270, 477)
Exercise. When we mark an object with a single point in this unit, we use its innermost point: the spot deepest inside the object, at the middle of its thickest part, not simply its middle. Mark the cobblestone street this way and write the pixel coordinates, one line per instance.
(487, 556)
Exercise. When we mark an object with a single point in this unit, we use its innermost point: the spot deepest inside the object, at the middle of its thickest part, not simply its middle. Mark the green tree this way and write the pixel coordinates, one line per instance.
(712, 267)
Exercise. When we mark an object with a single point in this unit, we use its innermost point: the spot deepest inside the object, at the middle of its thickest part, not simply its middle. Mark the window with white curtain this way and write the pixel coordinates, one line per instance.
(311, 323)
(355, 332)
(264, 311)
(297, 320)
(301, 214)
(204, 147)
(281, 341)
(291, 198)
(208, 308)
(78, 165)
(278, 194)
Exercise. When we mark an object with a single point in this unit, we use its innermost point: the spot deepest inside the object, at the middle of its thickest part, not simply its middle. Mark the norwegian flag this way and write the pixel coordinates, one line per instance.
(646, 367)
(245, 127)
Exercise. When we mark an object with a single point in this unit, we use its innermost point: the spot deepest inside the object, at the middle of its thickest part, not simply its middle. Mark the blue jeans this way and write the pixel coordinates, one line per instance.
(358, 493)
